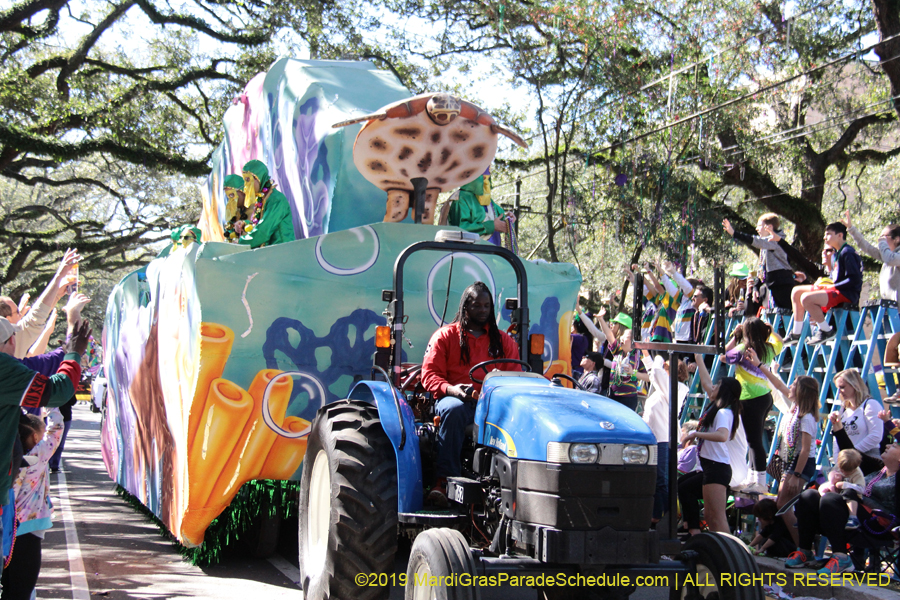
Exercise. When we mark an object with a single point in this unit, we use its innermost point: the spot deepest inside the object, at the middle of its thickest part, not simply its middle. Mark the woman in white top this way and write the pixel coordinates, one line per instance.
(656, 415)
(797, 449)
(858, 414)
(718, 425)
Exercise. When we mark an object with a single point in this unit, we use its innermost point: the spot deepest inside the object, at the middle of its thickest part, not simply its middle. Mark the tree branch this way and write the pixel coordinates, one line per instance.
(832, 155)
(23, 141)
(78, 57)
(59, 182)
(12, 18)
(253, 38)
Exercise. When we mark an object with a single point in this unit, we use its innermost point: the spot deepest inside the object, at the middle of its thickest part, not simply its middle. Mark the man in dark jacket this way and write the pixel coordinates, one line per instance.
(844, 287)
(590, 380)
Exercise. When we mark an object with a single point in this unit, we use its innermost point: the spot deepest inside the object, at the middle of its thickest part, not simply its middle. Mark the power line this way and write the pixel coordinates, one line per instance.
(813, 127)
(761, 36)
(717, 107)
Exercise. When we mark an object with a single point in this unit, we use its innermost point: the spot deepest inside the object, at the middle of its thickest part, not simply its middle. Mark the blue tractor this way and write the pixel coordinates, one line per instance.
(558, 485)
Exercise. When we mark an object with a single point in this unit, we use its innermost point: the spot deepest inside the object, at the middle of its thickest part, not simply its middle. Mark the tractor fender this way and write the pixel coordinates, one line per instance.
(401, 431)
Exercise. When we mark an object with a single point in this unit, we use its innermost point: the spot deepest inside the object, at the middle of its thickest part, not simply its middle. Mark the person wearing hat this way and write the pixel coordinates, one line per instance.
(234, 205)
(21, 387)
(185, 235)
(625, 368)
(474, 211)
(267, 218)
(737, 297)
(590, 363)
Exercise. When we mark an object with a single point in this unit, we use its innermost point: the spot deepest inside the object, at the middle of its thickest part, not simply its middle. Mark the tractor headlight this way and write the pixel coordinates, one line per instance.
(583, 454)
(633, 454)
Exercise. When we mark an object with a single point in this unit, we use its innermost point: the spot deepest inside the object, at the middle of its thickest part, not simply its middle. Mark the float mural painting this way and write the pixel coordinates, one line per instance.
(284, 118)
(199, 334)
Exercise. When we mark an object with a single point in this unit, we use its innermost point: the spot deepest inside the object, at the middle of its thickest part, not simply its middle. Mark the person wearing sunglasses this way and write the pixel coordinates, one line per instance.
(185, 235)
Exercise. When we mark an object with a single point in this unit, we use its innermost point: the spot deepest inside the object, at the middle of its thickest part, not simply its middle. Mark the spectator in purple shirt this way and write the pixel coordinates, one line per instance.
(48, 363)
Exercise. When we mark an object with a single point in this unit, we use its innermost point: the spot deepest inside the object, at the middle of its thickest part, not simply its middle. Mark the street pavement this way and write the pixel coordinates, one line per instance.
(100, 547)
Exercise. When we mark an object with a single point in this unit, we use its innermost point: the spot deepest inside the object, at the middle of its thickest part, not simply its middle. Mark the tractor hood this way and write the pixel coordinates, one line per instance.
(520, 415)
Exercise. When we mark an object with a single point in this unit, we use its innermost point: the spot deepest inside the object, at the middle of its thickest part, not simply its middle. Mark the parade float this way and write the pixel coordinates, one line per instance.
(218, 356)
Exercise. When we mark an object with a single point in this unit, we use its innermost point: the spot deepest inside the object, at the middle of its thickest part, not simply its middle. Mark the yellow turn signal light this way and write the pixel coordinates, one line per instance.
(383, 337)
(536, 343)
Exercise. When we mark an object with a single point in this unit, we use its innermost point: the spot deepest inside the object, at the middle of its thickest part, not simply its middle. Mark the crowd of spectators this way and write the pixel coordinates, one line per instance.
(677, 309)
(34, 383)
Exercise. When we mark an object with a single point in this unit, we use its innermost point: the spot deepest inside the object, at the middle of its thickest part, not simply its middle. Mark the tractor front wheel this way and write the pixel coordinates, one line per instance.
(348, 504)
(718, 555)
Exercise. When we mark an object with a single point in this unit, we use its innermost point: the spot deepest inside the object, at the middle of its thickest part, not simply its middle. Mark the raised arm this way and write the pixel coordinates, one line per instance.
(35, 319)
(589, 325)
(654, 286)
(705, 380)
(607, 332)
(683, 284)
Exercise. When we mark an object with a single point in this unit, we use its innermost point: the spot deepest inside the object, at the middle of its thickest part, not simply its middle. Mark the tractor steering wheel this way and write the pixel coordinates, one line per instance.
(572, 379)
(493, 361)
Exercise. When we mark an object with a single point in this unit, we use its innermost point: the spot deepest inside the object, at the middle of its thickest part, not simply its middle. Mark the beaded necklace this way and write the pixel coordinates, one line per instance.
(255, 218)
(793, 429)
(875, 480)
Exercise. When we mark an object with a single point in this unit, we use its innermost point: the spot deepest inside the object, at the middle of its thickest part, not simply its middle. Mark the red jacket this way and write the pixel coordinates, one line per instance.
(443, 366)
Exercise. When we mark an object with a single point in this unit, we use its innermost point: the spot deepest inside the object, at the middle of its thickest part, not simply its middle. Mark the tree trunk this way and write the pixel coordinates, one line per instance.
(887, 17)
(551, 228)
(635, 257)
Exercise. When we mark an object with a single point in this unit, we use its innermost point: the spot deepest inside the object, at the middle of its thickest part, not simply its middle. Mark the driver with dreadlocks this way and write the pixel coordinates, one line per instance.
(472, 338)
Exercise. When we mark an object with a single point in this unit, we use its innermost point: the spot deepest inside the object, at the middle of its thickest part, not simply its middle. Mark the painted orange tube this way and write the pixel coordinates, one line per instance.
(257, 438)
(286, 455)
(215, 347)
(228, 408)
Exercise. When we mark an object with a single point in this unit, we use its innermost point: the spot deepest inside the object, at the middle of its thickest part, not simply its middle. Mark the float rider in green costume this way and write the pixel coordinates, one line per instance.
(185, 235)
(234, 207)
(268, 218)
(475, 211)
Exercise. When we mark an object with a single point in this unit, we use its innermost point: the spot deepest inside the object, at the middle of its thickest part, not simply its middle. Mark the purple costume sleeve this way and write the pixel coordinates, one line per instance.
(45, 364)
(734, 356)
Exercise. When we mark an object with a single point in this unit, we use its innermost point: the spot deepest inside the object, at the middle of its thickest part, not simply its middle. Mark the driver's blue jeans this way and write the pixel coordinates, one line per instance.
(455, 416)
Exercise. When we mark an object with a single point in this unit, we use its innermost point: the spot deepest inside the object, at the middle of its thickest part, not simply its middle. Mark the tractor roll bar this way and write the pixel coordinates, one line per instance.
(520, 314)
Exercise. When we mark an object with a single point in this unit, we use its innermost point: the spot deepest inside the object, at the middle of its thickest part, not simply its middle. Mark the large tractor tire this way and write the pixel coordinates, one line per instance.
(720, 554)
(438, 553)
(348, 505)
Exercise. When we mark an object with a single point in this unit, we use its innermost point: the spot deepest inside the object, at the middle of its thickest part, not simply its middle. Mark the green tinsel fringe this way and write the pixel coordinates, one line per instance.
(255, 499)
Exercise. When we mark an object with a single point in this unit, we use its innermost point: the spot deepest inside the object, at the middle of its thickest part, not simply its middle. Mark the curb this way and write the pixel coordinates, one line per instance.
(798, 580)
